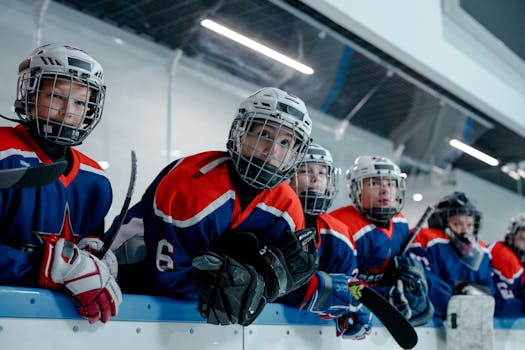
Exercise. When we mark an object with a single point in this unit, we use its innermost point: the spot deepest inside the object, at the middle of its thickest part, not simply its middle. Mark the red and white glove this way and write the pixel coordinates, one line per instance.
(87, 279)
(94, 245)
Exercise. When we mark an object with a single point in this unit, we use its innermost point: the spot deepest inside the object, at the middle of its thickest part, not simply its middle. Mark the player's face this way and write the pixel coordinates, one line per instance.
(379, 192)
(271, 143)
(461, 224)
(62, 101)
(519, 240)
(310, 178)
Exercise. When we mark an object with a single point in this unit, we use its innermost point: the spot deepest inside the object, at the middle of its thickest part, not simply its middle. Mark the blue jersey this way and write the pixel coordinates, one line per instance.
(509, 281)
(444, 269)
(376, 246)
(72, 206)
(192, 204)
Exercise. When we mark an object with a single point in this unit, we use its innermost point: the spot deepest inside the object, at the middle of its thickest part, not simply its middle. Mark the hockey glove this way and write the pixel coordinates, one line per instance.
(355, 326)
(94, 246)
(329, 295)
(467, 288)
(285, 264)
(288, 262)
(415, 289)
(84, 276)
(229, 292)
(396, 296)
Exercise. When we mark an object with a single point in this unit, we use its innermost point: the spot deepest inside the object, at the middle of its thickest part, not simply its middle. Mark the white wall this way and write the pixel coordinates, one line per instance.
(204, 101)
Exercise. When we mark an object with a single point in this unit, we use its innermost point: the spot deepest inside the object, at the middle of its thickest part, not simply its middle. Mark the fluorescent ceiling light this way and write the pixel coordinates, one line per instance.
(265, 50)
(474, 152)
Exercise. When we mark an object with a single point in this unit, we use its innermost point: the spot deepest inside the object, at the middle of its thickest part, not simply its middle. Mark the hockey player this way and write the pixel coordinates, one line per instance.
(377, 188)
(508, 261)
(456, 261)
(47, 232)
(225, 227)
(315, 184)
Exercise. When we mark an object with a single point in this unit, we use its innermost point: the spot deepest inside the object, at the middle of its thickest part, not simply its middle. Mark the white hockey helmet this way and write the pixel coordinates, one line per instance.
(60, 63)
(366, 167)
(516, 223)
(316, 202)
(282, 111)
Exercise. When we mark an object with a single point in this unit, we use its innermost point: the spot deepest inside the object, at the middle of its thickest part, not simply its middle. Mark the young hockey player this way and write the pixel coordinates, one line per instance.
(47, 232)
(315, 184)
(379, 230)
(225, 227)
(508, 261)
(454, 258)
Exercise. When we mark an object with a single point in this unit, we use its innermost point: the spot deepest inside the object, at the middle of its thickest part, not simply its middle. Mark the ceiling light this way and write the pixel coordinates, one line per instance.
(417, 197)
(265, 50)
(474, 152)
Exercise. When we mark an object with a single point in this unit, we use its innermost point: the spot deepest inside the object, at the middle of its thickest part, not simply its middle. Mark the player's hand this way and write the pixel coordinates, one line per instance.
(396, 296)
(94, 245)
(355, 325)
(84, 276)
(332, 297)
(229, 292)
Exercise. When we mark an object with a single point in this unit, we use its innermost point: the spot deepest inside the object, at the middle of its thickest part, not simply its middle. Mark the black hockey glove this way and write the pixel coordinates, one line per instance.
(288, 262)
(229, 292)
(285, 263)
(415, 288)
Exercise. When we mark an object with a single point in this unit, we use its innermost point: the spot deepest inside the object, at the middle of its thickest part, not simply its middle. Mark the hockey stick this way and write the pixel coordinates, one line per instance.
(419, 226)
(396, 324)
(111, 234)
(34, 176)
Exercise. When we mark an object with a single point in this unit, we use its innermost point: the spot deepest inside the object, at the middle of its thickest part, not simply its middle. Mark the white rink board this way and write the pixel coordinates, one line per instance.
(40, 319)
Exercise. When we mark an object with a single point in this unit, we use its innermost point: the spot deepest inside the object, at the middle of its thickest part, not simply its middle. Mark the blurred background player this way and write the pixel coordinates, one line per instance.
(60, 95)
(315, 184)
(456, 261)
(508, 260)
(377, 189)
(207, 216)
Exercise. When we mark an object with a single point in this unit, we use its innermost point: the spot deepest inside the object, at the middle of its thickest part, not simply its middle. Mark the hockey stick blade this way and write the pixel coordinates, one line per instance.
(396, 324)
(34, 176)
(418, 227)
(111, 234)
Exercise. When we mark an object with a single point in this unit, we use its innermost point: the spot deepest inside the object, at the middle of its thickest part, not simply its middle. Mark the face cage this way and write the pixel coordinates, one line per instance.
(59, 132)
(467, 248)
(446, 214)
(258, 172)
(379, 214)
(509, 240)
(315, 203)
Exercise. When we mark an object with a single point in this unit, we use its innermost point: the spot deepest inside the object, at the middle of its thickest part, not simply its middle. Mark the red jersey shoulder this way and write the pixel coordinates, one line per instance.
(17, 138)
(328, 221)
(428, 235)
(351, 217)
(504, 260)
(194, 183)
(84, 159)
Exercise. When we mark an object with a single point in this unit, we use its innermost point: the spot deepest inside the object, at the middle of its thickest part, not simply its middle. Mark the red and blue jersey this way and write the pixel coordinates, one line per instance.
(376, 246)
(72, 206)
(509, 281)
(192, 204)
(444, 269)
(336, 247)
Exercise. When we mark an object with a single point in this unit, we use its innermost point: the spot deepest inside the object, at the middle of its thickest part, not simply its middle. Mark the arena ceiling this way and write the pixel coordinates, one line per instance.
(353, 80)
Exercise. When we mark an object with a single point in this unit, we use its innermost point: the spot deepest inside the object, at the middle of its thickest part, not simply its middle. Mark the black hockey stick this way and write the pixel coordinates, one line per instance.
(419, 226)
(396, 324)
(34, 176)
(111, 234)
